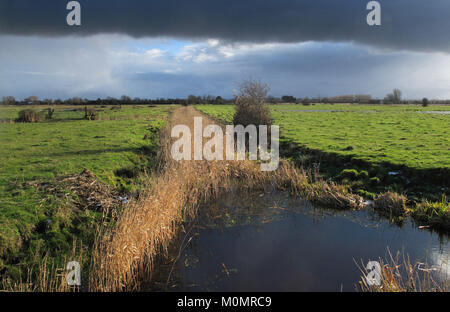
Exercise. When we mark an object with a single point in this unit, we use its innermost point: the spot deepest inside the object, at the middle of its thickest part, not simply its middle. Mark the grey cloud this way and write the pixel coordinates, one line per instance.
(106, 65)
(419, 25)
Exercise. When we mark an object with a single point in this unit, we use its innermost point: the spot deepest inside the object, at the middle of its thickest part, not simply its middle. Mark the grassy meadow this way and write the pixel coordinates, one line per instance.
(374, 148)
(402, 135)
(117, 148)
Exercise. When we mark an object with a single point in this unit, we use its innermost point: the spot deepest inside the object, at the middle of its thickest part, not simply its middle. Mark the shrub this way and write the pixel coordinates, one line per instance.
(425, 102)
(29, 115)
(90, 114)
(250, 106)
(50, 112)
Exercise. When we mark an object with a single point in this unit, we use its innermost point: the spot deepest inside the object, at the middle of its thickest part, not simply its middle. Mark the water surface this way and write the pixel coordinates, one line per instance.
(269, 242)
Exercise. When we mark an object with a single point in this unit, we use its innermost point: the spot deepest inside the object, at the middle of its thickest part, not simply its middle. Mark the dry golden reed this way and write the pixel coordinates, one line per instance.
(399, 274)
(390, 203)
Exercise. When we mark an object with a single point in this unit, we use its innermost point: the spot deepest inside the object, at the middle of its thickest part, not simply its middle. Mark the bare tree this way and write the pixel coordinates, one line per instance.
(251, 108)
(192, 99)
(397, 96)
(124, 99)
(394, 98)
(32, 99)
(8, 100)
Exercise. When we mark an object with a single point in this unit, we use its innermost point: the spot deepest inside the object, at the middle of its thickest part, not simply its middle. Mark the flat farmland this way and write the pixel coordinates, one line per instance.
(413, 136)
(117, 148)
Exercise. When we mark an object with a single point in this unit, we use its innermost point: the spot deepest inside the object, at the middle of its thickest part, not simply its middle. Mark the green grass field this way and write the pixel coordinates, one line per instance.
(371, 148)
(116, 148)
(401, 135)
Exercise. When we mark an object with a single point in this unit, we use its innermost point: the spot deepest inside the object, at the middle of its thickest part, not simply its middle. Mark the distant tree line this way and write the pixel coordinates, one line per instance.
(395, 97)
(357, 98)
(123, 100)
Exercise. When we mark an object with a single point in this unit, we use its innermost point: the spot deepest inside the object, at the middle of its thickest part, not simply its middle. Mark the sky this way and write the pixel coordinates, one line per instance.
(153, 49)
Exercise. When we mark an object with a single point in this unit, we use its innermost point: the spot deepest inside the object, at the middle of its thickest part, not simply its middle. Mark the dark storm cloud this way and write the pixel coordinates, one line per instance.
(406, 24)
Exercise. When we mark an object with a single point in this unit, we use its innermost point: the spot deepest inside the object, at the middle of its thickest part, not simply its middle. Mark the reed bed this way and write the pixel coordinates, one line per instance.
(399, 274)
(46, 275)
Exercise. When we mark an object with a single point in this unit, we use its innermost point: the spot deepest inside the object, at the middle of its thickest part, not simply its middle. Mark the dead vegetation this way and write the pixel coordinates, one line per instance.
(29, 115)
(390, 204)
(399, 274)
(83, 191)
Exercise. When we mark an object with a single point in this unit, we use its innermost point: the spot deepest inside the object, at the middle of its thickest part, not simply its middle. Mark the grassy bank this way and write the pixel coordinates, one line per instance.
(46, 202)
(373, 149)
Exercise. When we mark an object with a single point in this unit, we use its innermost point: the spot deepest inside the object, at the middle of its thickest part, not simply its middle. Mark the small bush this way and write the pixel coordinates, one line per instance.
(90, 114)
(29, 115)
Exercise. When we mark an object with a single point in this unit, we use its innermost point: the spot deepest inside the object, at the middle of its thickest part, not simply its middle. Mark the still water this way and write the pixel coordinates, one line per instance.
(270, 242)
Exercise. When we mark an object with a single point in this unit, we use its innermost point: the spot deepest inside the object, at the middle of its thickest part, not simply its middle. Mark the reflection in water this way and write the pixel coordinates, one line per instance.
(269, 242)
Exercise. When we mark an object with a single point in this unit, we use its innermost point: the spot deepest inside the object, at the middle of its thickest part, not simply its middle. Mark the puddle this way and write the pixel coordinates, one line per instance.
(324, 111)
(438, 112)
(348, 111)
(270, 242)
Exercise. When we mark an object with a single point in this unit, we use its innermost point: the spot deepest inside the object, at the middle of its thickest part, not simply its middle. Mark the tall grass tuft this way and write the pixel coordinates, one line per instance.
(435, 215)
(399, 274)
(391, 204)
